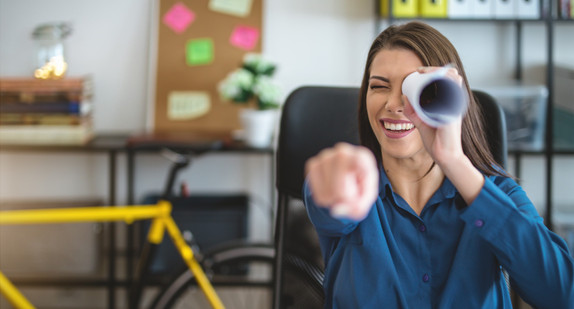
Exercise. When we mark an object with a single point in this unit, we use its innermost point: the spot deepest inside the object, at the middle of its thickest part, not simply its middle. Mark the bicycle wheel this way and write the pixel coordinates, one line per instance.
(242, 277)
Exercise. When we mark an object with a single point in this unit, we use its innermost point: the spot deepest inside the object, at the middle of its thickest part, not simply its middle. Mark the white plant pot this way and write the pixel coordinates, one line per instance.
(258, 126)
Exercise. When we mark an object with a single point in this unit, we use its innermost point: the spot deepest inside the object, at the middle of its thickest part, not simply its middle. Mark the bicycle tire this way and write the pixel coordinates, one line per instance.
(230, 270)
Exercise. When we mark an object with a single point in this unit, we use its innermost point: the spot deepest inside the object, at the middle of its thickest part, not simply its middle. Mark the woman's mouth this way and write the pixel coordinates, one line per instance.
(396, 128)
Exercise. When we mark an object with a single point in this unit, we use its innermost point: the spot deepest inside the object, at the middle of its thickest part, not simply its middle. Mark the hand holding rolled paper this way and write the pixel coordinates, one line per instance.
(436, 98)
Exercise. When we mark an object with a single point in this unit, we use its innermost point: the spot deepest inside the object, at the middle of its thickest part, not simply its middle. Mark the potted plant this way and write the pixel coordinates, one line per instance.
(252, 85)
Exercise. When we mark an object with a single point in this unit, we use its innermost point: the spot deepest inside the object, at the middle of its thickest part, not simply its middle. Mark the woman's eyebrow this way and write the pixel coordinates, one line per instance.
(384, 79)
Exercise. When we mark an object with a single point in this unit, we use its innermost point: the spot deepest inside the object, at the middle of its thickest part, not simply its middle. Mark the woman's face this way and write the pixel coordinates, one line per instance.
(396, 134)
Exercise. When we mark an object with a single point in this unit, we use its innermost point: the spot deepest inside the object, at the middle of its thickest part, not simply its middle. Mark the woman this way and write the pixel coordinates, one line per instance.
(422, 217)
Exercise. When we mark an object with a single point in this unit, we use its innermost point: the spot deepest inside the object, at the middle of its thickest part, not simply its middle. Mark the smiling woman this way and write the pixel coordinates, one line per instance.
(422, 216)
(384, 104)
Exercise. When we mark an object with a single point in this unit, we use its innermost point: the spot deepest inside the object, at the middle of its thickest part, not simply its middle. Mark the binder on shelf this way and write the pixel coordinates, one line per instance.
(401, 8)
(458, 9)
(482, 8)
(433, 8)
(504, 9)
(528, 9)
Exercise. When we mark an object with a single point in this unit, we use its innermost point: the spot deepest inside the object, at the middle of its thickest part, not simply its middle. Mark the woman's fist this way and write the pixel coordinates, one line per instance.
(344, 179)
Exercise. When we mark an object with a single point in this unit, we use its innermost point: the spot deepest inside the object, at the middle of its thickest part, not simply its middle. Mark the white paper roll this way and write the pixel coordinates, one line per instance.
(437, 99)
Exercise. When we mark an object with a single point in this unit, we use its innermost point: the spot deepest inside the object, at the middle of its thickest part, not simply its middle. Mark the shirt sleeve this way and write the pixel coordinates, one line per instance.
(537, 260)
(325, 224)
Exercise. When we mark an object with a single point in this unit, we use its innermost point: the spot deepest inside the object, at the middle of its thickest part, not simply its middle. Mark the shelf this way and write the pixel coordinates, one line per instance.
(552, 149)
(429, 19)
(102, 143)
(560, 152)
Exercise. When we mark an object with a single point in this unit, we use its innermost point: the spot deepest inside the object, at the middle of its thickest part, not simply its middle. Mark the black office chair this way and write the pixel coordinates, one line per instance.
(315, 118)
(495, 126)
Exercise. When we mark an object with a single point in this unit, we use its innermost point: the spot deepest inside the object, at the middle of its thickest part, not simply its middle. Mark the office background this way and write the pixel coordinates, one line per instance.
(320, 42)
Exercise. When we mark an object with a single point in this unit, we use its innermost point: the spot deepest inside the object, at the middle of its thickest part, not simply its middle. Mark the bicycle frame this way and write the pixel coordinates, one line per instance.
(162, 221)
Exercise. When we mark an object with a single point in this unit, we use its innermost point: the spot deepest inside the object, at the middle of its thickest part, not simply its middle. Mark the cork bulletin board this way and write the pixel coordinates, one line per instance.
(199, 42)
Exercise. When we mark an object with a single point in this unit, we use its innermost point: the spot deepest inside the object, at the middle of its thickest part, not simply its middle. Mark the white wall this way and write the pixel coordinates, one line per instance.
(321, 42)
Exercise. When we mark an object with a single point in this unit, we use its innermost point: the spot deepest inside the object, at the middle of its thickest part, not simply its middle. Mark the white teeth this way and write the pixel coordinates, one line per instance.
(398, 126)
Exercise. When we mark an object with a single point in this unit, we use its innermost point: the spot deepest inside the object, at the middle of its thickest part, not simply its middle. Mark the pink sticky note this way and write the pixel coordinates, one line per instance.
(178, 17)
(244, 37)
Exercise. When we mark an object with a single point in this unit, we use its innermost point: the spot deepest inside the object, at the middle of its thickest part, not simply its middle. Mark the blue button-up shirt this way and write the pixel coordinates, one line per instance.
(449, 256)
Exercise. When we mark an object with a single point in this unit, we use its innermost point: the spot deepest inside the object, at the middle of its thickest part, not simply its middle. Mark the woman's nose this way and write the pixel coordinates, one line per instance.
(395, 102)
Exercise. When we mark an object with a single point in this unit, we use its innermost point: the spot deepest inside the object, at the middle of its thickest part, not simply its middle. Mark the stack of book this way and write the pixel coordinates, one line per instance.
(46, 112)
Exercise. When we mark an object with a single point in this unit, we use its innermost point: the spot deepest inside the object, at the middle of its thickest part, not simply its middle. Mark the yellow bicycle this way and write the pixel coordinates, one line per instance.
(162, 222)
(233, 275)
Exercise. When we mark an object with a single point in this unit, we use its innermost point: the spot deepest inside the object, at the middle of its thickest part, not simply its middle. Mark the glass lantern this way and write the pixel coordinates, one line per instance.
(50, 50)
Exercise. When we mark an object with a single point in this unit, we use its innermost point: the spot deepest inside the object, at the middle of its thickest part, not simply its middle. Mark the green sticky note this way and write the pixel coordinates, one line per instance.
(199, 52)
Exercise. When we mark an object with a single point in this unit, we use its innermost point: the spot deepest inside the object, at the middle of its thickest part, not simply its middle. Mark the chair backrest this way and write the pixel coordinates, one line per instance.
(315, 118)
(495, 126)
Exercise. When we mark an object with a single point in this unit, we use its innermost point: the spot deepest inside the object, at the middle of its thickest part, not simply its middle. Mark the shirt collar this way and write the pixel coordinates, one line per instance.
(446, 190)
(385, 187)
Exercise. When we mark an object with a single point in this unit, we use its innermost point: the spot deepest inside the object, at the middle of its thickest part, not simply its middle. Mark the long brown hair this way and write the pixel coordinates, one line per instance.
(433, 49)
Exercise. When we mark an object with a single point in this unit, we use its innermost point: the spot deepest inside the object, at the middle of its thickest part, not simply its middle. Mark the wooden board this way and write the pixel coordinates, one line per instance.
(173, 74)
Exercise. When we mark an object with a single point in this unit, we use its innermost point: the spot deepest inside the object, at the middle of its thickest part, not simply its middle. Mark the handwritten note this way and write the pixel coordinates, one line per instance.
(244, 37)
(239, 8)
(199, 51)
(185, 105)
(178, 17)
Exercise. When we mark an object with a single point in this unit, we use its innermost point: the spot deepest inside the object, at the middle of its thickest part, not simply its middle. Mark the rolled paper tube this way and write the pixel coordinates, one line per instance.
(437, 99)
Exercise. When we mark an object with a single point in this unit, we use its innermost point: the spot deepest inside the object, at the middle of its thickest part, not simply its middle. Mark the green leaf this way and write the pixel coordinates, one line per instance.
(266, 105)
(269, 71)
(244, 96)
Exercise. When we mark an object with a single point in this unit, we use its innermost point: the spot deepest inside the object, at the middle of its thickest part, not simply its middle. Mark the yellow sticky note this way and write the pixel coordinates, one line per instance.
(239, 8)
(185, 105)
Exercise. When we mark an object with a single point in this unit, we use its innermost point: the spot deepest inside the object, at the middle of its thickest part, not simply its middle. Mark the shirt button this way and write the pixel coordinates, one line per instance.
(426, 278)
(422, 228)
(478, 223)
